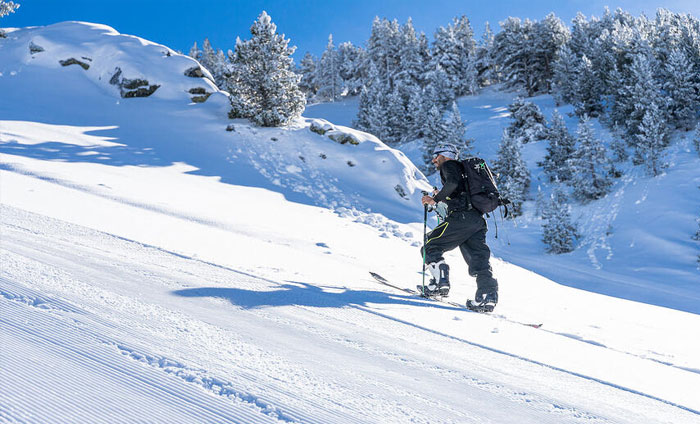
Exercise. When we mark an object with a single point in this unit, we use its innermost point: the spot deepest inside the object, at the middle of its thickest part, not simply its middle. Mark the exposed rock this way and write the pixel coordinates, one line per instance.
(194, 72)
(342, 138)
(230, 127)
(129, 88)
(74, 61)
(33, 48)
(133, 84)
(400, 190)
(141, 92)
(201, 99)
(202, 94)
(115, 78)
(321, 126)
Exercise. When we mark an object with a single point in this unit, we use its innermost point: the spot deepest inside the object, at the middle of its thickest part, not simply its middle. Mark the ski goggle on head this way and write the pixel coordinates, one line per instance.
(447, 151)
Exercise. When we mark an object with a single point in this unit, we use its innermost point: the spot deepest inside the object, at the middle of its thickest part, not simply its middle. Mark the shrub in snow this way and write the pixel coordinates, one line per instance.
(512, 174)
(262, 84)
(558, 233)
(528, 122)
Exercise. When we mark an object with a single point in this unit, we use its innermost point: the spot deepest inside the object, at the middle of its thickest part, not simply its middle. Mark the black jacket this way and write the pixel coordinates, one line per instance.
(453, 191)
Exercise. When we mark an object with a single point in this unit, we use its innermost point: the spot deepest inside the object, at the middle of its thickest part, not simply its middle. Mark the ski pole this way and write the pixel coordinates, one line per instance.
(425, 238)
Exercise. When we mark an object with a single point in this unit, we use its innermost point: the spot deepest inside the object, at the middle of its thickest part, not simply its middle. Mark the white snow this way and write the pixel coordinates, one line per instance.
(157, 268)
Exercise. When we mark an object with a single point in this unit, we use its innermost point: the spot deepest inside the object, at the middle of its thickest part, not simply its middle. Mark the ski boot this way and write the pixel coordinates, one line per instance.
(440, 283)
(483, 302)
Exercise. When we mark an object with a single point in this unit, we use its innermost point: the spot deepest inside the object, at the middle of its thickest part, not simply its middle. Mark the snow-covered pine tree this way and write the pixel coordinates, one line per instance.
(434, 132)
(483, 62)
(540, 204)
(514, 55)
(397, 124)
(525, 52)
(683, 90)
(222, 69)
(307, 70)
(6, 7)
(467, 77)
(512, 173)
(372, 111)
(560, 150)
(590, 166)
(416, 115)
(195, 53)
(470, 83)
(528, 124)
(549, 35)
(208, 56)
(565, 75)
(328, 74)
(408, 81)
(455, 131)
(446, 56)
(587, 90)
(650, 141)
(352, 73)
(618, 146)
(438, 89)
(382, 49)
(262, 84)
(558, 232)
(636, 86)
(696, 139)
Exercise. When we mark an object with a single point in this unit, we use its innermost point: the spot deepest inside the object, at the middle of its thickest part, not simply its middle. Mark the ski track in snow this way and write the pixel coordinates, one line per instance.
(108, 333)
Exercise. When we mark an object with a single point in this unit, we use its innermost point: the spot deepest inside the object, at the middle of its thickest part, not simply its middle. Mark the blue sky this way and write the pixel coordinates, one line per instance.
(178, 23)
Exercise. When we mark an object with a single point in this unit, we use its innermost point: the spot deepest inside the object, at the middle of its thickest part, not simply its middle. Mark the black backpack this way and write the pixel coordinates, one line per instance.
(481, 186)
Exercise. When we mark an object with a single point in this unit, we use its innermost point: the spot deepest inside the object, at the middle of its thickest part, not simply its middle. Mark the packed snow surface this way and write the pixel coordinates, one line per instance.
(158, 268)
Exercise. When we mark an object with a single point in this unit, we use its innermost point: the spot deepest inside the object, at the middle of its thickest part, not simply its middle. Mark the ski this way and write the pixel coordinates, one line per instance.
(419, 292)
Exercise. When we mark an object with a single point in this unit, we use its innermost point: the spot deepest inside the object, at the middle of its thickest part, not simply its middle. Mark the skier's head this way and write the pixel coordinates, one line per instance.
(443, 153)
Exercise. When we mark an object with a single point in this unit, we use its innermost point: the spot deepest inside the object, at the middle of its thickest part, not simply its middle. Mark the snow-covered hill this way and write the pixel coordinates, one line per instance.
(158, 268)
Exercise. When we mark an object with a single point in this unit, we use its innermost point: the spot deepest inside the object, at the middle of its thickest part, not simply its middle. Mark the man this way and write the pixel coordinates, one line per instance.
(465, 227)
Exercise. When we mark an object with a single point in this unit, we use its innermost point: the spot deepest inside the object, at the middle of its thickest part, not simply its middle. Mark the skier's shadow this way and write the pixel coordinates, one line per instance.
(303, 294)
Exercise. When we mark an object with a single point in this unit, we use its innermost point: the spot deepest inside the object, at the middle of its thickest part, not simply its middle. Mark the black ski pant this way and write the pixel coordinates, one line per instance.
(466, 229)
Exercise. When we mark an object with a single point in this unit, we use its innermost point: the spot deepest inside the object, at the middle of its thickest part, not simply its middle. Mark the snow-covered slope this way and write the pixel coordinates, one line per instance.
(157, 268)
(635, 243)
